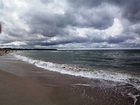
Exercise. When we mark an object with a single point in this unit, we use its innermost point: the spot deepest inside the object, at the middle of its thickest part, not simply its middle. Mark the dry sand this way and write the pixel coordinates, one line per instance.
(25, 84)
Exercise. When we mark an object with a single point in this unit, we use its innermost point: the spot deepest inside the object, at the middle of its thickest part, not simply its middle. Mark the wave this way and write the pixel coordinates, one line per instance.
(82, 72)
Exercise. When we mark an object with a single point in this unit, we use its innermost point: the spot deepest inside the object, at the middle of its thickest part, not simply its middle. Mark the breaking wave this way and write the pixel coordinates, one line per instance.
(83, 72)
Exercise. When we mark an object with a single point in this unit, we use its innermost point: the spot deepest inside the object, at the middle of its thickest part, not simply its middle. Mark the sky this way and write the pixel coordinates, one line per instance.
(70, 24)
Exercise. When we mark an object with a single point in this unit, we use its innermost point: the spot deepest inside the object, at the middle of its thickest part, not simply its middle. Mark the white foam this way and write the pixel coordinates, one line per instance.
(134, 97)
(65, 69)
(86, 85)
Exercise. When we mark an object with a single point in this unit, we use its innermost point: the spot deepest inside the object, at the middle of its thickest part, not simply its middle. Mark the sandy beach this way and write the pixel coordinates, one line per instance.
(25, 84)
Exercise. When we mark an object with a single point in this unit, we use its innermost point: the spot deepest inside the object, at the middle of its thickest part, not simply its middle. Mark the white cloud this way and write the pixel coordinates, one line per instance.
(115, 29)
(16, 43)
(61, 24)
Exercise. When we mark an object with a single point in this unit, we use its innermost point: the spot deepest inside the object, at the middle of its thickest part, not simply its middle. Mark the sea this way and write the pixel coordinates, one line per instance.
(115, 66)
(111, 65)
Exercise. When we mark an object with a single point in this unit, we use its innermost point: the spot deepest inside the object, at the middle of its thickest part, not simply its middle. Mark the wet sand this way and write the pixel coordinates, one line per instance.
(2, 52)
(25, 84)
(15, 90)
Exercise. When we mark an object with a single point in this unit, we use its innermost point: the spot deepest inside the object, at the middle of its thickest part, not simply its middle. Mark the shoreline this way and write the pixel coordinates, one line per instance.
(60, 89)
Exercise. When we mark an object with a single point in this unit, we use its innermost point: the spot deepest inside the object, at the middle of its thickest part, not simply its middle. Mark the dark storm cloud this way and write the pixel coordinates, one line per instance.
(85, 3)
(96, 3)
(130, 8)
(74, 39)
(65, 41)
(39, 21)
(118, 39)
(96, 19)
(137, 30)
(100, 20)
(93, 11)
(132, 11)
(49, 24)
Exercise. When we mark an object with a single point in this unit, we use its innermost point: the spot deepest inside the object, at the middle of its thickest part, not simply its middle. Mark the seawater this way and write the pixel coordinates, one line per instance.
(112, 65)
(117, 70)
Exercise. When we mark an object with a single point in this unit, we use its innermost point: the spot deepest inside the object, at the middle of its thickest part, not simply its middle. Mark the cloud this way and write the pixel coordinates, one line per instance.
(131, 11)
(70, 23)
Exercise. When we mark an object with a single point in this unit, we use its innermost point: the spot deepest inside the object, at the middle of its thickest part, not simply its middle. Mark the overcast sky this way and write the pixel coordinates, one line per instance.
(70, 23)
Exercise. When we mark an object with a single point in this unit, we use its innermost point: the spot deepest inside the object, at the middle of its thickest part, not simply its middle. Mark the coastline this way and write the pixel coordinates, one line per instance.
(54, 88)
